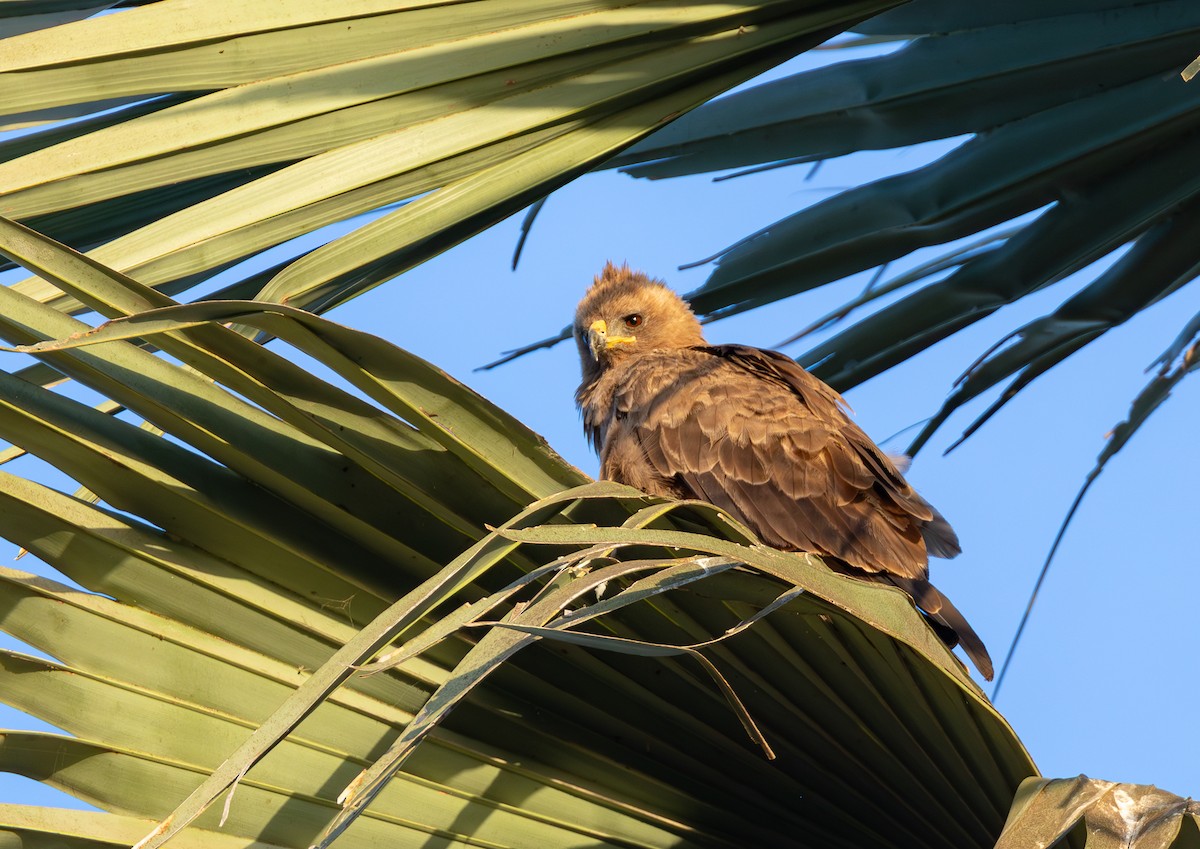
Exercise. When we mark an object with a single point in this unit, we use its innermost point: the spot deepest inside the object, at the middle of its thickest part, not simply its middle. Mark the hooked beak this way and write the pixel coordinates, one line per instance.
(599, 340)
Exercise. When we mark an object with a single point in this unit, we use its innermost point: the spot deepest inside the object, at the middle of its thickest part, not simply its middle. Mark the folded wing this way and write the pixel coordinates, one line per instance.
(752, 432)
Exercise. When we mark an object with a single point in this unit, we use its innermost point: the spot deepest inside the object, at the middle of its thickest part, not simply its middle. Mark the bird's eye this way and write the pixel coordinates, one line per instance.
(633, 320)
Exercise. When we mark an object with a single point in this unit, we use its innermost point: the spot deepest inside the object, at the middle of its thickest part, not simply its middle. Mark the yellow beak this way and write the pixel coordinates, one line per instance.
(599, 340)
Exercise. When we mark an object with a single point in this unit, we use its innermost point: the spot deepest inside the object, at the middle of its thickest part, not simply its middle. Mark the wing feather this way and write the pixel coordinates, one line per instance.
(755, 434)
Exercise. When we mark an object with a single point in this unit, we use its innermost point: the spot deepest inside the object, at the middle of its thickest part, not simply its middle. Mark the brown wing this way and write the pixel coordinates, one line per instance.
(752, 432)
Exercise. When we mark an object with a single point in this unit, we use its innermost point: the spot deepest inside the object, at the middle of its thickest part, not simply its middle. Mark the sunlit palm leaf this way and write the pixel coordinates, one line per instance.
(266, 122)
(84, 830)
(239, 579)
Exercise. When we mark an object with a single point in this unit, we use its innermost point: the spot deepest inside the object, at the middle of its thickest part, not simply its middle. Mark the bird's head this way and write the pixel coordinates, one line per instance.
(624, 313)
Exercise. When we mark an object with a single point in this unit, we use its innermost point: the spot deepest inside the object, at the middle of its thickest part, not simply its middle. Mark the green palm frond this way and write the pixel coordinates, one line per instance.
(279, 514)
(204, 133)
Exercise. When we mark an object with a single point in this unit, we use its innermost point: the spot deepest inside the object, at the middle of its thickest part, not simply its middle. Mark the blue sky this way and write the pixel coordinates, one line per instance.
(1104, 681)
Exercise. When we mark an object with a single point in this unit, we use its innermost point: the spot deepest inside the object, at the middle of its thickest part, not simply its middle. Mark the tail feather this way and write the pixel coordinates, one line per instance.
(944, 617)
(941, 614)
(940, 539)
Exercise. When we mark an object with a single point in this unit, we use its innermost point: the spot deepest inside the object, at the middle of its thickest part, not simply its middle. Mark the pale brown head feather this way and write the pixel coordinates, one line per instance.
(618, 294)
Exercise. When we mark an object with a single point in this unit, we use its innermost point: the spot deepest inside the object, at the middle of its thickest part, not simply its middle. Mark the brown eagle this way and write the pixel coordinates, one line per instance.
(751, 431)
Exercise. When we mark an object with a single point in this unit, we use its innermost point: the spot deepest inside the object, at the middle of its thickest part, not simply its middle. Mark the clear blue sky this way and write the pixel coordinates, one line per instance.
(1104, 682)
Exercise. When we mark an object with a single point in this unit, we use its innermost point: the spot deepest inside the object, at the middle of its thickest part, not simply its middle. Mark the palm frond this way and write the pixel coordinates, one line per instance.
(204, 134)
(235, 583)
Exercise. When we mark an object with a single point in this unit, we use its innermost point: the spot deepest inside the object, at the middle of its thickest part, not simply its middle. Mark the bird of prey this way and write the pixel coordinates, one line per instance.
(752, 432)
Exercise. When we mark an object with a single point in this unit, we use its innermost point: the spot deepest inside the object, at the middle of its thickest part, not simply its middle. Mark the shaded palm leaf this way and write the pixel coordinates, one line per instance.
(1075, 107)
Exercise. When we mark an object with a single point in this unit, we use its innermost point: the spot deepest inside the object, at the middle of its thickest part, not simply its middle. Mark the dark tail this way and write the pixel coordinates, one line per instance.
(945, 619)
